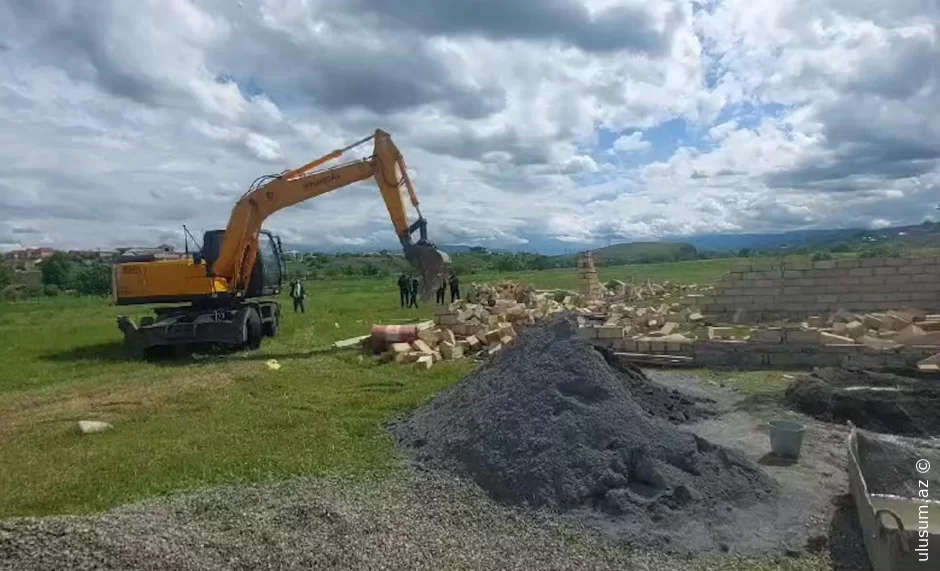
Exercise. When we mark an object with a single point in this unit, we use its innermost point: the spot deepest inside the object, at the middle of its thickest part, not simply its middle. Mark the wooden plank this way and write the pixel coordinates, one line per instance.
(647, 358)
(351, 342)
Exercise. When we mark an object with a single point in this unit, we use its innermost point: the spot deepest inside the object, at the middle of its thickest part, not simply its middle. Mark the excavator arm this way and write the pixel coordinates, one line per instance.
(239, 248)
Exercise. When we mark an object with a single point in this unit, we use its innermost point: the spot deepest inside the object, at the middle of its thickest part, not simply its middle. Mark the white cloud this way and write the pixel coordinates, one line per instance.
(632, 143)
(122, 121)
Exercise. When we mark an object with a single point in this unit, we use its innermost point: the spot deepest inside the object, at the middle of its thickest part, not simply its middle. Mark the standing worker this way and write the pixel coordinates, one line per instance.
(440, 292)
(404, 289)
(413, 301)
(298, 294)
(454, 288)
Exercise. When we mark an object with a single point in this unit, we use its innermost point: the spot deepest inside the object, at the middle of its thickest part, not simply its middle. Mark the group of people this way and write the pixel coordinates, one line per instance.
(408, 289)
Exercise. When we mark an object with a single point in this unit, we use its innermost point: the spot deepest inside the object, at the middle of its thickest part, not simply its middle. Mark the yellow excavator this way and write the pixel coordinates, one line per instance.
(223, 293)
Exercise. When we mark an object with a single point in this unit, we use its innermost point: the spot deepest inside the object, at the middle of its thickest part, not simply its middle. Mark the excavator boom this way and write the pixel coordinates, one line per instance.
(240, 244)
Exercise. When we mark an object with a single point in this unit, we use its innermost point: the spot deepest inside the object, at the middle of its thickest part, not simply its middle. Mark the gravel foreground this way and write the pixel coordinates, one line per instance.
(408, 521)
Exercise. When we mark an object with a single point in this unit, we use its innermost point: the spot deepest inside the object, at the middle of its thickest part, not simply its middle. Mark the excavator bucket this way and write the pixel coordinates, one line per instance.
(433, 267)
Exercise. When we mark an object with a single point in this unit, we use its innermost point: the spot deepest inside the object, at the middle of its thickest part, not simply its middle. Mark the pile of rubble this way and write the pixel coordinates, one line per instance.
(667, 324)
(480, 325)
(886, 330)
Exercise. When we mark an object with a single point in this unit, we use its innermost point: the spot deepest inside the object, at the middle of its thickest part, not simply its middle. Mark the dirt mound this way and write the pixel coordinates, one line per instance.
(549, 423)
(874, 401)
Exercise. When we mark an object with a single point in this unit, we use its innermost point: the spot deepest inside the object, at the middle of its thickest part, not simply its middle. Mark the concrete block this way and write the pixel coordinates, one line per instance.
(429, 336)
(872, 262)
(855, 329)
(861, 272)
(809, 336)
(450, 351)
(421, 347)
(842, 316)
(816, 321)
(923, 261)
(399, 348)
(911, 270)
(629, 345)
(610, 332)
(720, 332)
(473, 342)
(898, 320)
(833, 339)
(448, 319)
(493, 349)
(766, 336)
(588, 332)
(424, 362)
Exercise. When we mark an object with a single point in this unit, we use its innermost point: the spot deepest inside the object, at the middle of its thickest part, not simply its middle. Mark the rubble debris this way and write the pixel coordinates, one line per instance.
(833, 339)
(550, 423)
(351, 342)
(489, 318)
(930, 364)
(93, 426)
(880, 402)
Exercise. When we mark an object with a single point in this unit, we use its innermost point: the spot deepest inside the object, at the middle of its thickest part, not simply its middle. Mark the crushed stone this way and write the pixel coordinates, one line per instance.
(549, 423)
(888, 465)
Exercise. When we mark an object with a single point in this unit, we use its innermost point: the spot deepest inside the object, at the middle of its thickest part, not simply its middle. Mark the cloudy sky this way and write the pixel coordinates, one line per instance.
(523, 121)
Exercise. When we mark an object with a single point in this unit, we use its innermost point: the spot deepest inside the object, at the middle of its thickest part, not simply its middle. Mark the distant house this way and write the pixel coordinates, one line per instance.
(29, 254)
(27, 258)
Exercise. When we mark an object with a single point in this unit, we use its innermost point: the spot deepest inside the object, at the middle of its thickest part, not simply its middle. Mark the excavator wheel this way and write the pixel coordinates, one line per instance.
(253, 331)
(272, 327)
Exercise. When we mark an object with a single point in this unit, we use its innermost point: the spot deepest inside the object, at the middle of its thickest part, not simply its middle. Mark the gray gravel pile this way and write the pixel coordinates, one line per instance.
(419, 522)
(549, 423)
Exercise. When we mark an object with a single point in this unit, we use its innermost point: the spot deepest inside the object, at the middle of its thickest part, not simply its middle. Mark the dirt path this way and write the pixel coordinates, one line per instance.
(818, 515)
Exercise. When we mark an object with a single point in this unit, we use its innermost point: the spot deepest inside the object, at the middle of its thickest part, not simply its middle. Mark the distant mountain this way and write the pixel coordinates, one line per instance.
(453, 249)
(915, 234)
(640, 252)
(723, 242)
(702, 243)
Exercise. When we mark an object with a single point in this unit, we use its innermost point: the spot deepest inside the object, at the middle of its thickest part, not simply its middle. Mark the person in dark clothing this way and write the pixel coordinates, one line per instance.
(298, 294)
(404, 290)
(413, 302)
(440, 292)
(454, 288)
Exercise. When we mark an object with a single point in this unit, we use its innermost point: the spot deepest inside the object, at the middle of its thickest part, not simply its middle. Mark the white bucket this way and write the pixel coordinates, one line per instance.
(786, 438)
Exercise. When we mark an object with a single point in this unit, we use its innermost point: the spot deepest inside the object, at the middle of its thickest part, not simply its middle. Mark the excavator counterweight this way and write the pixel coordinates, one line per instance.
(227, 286)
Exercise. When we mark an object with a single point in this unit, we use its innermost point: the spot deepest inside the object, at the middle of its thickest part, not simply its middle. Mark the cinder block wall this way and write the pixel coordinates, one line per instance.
(819, 288)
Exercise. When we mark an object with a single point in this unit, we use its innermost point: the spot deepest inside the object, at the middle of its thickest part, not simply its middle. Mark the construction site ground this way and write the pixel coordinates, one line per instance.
(293, 467)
